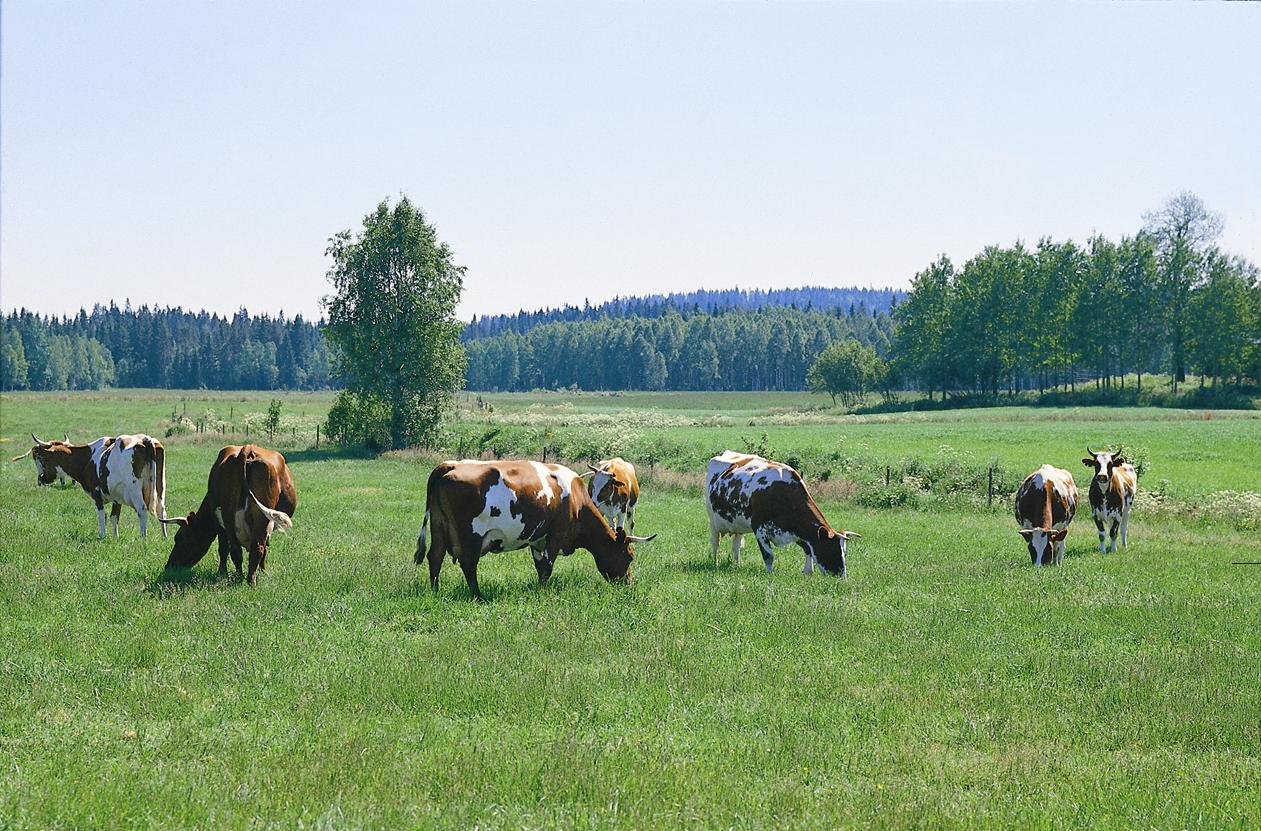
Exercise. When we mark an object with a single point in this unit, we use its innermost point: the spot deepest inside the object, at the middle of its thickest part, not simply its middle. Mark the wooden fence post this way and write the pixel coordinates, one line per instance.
(317, 436)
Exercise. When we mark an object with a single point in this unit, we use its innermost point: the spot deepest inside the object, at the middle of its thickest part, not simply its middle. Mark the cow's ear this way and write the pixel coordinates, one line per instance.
(824, 533)
(1117, 461)
(620, 536)
(1088, 462)
(1060, 535)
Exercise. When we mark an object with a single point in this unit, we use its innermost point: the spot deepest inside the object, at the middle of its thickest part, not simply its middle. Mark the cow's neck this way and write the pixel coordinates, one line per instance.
(594, 532)
(79, 467)
(1046, 510)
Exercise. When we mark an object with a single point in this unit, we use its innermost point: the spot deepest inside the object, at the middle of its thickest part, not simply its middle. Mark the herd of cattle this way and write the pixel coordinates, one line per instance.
(475, 507)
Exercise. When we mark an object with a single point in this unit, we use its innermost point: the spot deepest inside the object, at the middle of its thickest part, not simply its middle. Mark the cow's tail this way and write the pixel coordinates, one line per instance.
(282, 520)
(422, 542)
(153, 488)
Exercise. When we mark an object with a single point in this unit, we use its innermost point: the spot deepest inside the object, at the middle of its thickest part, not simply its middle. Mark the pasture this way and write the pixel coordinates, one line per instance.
(944, 683)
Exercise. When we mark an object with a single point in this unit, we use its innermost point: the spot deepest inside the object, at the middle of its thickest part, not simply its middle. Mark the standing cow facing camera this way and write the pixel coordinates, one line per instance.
(1045, 505)
(1112, 492)
(748, 494)
(615, 489)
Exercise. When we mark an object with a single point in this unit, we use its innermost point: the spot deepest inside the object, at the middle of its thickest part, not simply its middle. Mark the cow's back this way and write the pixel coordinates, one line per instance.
(1032, 498)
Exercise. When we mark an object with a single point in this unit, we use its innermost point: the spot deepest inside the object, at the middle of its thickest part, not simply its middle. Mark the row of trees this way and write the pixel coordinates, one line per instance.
(693, 303)
(167, 347)
(1017, 318)
(767, 349)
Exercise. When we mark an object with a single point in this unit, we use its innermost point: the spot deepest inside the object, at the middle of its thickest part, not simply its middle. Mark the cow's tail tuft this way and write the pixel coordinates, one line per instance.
(422, 542)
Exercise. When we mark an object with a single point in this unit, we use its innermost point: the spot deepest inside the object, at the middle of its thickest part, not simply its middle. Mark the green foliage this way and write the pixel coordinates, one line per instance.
(849, 370)
(272, 423)
(359, 419)
(393, 319)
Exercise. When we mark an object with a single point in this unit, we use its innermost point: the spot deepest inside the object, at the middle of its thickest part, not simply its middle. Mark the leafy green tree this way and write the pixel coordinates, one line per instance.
(392, 317)
(1223, 309)
(923, 327)
(13, 365)
(1184, 230)
(846, 369)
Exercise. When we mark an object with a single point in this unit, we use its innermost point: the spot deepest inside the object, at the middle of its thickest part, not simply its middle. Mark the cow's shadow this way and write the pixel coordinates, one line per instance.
(181, 579)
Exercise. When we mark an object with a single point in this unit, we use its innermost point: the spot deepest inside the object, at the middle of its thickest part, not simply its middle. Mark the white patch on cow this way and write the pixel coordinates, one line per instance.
(505, 529)
(545, 475)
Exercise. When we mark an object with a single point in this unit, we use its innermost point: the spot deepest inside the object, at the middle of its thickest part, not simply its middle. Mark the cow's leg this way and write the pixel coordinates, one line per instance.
(1125, 530)
(714, 539)
(1102, 534)
(256, 557)
(544, 561)
(809, 567)
(1059, 552)
(235, 550)
(224, 548)
(1112, 532)
(144, 520)
(736, 541)
(114, 513)
(630, 512)
(469, 566)
(764, 545)
(100, 510)
(437, 550)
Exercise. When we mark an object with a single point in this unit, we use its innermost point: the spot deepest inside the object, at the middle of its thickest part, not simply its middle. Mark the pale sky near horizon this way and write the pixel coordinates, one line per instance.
(201, 154)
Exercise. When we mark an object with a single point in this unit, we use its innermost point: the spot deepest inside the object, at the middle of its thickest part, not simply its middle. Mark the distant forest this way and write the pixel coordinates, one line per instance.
(763, 349)
(171, 348)
(688, 304)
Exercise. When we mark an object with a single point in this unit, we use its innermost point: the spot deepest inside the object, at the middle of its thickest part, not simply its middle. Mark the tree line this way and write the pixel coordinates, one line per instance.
(1018, 318)
(690, 304)
(166, 347)
(764, 349)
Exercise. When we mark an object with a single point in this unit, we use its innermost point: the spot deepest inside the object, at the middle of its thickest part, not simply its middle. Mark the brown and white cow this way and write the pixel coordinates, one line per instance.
(476, 507)
(125, 470)
(1045, 504)
(1112, 492)
(249, 493)
(615, 489)
(748, 494)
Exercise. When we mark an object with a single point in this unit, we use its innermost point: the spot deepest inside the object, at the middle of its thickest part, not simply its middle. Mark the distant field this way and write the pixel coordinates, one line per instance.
(945, 683)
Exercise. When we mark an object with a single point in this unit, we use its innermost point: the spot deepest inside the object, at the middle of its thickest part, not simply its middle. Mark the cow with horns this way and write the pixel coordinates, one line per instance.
(473, 508)
(249, 494)
(1112, 492)
(748, 494)
(615, 490)
(1045, 504)
(124, 470)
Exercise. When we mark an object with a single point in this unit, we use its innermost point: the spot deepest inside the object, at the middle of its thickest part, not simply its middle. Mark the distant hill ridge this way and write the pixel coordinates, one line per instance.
(703, 301)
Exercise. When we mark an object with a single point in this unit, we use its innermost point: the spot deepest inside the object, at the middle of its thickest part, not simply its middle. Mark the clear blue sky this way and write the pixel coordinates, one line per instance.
(201, 154)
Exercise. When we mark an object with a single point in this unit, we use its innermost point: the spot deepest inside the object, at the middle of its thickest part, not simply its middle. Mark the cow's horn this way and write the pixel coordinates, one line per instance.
(23, 456)
(40, 441)
(848, 534)
(179, 520)
(65, 438)
(1090, 452)
(594, 469)
(632, 538)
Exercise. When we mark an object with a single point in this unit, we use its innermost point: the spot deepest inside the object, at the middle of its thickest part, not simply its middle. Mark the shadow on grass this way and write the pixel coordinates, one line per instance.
(330, 453)
(706, 566)
(178, 580)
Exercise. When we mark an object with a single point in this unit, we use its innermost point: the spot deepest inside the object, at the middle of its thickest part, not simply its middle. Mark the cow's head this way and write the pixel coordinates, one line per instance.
(1103, 463)
(829, 550)
(1041, 543)
(47, 455)
(193, 536)
(613, 556)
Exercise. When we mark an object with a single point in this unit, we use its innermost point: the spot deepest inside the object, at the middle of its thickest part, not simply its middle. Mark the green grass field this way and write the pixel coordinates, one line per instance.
(944, 684)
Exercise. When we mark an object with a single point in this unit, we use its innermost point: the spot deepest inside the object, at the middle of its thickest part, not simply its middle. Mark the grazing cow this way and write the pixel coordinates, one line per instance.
(478, 507)
(615, 490)
(748, 494)
(249, 493)
(126, 470)
(1112, 492)
(1045, 505)
(46, 453)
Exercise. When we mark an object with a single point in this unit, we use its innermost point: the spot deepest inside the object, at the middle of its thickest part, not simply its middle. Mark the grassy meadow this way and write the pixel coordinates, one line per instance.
(944, 683)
